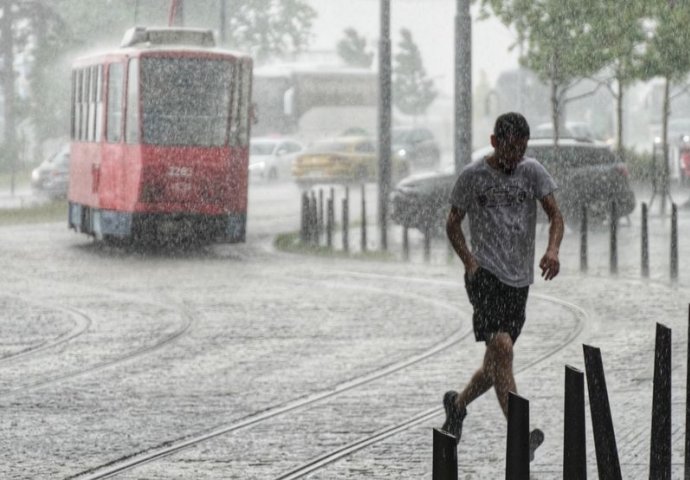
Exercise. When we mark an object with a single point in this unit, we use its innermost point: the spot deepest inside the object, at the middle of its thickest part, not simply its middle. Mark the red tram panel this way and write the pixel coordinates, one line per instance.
(160, 136)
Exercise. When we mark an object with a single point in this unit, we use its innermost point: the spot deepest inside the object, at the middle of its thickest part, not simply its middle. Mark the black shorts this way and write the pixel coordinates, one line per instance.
(497, 307)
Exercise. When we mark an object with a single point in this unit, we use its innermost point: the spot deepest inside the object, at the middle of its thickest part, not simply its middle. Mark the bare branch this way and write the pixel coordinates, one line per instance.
(578, 97)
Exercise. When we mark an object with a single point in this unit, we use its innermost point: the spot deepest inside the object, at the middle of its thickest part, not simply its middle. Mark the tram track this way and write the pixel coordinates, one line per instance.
(82, 325)
(135, 460)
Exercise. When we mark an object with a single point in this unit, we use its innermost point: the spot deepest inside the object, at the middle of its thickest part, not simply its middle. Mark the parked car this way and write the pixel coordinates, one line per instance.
(342, 159)
(585, 172)
(417, 145)
(578, 130)
(51, 177)
(271, 158)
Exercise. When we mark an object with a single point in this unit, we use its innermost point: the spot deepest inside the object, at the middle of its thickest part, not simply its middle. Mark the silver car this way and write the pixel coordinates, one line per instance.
(51, 177)
(271, 158)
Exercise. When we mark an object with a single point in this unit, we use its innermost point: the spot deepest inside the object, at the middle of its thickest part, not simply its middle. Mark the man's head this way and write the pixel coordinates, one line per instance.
(511, 133)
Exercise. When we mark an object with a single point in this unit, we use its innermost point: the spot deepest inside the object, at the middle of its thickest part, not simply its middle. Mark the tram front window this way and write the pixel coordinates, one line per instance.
(185, 101)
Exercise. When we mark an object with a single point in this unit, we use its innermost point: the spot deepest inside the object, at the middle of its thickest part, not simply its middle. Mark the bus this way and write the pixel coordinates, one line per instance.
(311, 101)
(160, 138)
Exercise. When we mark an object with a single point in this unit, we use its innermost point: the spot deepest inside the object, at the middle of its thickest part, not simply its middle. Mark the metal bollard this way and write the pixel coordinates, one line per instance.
(319, 225)
(583, 239)
(445, 460)
(427, 243)
(313, 220)
(574, 439)
(660, 452)
(613, 267)
(346, 223)
(645, 241)
(687, 406)
(364, 221)
(674, 241)
(329, 223)
(517, 451)
(406, 243)
(602, 423)
(304, 219)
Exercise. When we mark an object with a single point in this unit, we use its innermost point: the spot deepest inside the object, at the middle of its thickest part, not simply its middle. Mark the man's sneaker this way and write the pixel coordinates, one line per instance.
(536, 438)
(454, 415)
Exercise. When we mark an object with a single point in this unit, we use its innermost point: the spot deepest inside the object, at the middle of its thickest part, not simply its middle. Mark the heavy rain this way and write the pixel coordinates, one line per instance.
(281, 239)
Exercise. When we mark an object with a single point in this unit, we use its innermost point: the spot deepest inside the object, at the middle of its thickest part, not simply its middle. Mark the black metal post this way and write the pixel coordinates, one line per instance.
(364, 220)
(445, 460)
(427, 243)
(645, 241)
(574, 439)
(319, 225)
(406, 243)
(660, 456)
(583, 239)
(614, 240)
(304, 219)
(517, 452)
(313, 220)
(329, 223)
(346, 221)
(687, 406)
(602, 423)
(674, 241)
(385, 114)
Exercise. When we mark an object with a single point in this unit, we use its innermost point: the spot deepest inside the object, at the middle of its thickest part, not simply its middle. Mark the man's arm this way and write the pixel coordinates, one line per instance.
(457, 239)
(549, 264)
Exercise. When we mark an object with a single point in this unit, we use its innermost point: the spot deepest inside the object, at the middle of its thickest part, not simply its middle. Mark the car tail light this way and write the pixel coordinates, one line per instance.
(685, 157)
(622, 168)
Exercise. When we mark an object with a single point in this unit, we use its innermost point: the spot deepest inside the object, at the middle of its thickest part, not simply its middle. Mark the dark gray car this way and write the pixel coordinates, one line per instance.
(417, 145)
(51, 177)
(587, 173)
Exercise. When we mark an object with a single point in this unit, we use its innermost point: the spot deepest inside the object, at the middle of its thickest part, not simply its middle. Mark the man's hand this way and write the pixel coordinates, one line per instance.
(549, 265)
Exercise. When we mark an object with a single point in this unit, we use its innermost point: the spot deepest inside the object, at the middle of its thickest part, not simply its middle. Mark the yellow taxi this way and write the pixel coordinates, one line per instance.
(342, 159)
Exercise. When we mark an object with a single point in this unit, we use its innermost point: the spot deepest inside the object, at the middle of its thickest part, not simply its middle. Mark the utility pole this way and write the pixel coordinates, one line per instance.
(463, 85)
(221, 30)
(385, 113)
(7, 55)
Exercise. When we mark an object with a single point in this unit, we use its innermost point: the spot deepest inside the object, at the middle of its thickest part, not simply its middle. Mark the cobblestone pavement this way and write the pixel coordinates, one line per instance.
(123, 353)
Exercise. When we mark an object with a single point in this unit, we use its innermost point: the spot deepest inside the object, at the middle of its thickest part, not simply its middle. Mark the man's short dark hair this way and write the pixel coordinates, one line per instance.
(511, 125)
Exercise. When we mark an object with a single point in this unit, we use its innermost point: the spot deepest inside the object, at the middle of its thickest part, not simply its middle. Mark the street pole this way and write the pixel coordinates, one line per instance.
(384, 174)
(221, 31)
(463, 85)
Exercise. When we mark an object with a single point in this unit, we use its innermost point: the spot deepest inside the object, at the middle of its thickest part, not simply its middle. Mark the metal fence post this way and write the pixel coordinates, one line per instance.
(313, 220)
(364, 220)
(427, 243)
(674, 241)
(645, 241)
(517, 454)
(445, 459)
(406, 243)
(614, 239)
(329, 223)
(602, 423)
(574, 439)
(660, 452)
(583, 239)
(346, 221)
(319, 225)
(304, 219)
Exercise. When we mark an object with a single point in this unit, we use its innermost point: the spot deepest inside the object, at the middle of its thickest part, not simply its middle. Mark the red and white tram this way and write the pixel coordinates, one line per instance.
(160, 137)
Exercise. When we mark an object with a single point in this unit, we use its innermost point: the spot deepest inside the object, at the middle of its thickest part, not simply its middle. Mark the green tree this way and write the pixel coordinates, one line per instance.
(413, 92)
(666, 55)
(269, 28)
(620, 43)
(560, 41)
(352, 48)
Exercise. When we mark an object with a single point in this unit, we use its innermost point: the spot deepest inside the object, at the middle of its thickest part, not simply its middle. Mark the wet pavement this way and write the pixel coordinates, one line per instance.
(275, 361)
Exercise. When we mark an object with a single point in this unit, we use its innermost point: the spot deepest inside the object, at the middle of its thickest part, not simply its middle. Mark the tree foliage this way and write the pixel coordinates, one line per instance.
(269, 28)
(352, 48)
(413, 92)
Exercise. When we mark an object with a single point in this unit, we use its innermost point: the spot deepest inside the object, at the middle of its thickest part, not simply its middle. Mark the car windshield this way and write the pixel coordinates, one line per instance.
(261, 148)
(326, 147)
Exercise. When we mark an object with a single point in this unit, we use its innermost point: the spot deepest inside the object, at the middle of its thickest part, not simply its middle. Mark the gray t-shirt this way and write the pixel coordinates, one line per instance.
(502, 211)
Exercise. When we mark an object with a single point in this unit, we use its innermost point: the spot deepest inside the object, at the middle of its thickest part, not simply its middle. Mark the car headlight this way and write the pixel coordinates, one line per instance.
(35, 175)
(257, 166)
(402, 153)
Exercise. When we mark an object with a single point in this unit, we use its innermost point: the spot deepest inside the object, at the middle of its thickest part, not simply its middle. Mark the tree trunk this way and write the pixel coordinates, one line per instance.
(555, 113)
(665, 179)
(7, 56)
(619, 119)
